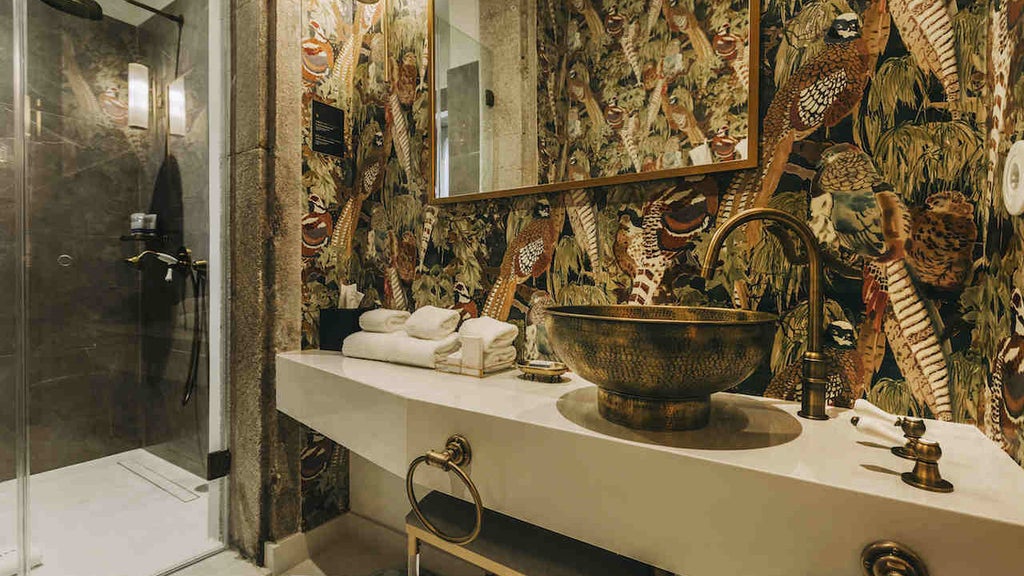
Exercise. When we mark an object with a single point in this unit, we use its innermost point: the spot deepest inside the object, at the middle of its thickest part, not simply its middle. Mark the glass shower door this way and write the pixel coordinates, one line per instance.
(122, 123)
(13, 409)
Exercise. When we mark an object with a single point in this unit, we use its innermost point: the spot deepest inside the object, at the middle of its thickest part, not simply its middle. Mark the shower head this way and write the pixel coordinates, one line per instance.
(81, 8)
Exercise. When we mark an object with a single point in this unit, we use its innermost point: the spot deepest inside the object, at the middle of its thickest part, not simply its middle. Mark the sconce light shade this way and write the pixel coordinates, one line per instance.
(176, 107)
(138, 95)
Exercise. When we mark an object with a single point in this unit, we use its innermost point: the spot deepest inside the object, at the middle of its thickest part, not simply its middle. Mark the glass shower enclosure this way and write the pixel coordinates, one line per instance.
(113, 116)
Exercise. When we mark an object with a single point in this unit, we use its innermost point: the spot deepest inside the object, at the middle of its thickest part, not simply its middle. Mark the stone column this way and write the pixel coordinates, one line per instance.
(264, 305)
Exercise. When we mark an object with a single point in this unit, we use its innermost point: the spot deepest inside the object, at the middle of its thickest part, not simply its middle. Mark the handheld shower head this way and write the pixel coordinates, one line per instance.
(81, 8)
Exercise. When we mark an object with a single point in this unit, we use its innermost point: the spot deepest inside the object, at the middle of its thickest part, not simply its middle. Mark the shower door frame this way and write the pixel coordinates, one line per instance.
(219, 124)
(19, 23)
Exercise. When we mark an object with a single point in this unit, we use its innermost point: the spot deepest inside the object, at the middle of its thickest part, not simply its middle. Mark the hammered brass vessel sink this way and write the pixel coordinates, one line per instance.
(656, 367)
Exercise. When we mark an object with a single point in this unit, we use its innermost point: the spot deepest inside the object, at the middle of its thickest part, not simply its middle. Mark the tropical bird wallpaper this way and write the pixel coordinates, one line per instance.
(638, 85)
(884, 126)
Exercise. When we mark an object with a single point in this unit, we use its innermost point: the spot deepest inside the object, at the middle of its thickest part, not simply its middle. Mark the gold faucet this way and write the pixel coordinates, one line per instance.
(812, 401)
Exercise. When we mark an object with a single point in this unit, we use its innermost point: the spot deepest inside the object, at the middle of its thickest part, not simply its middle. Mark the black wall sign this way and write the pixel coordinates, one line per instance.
(328, 129)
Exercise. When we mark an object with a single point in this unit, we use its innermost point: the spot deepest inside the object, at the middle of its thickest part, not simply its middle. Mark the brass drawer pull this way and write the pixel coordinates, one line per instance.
(887, 558)
(456, 454)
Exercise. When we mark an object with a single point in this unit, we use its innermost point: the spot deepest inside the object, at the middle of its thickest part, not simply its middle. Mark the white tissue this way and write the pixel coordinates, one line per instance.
(875, 428)
(863, 408)
(349, 296)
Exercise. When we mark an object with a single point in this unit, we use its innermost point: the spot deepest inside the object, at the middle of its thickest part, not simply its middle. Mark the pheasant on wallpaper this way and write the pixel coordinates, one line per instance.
(854, 209)
(464, 302)
(1004, 406)
(317, 55)
(317, 227)
(591, 18)
(820, 93)
(580, 92)
(528, 256)
(667, 227)
(846, 370)
(369, 179)
(734, 54)
(927, 31)
(682, 19)
(626, 34)
(579, 206)
(942, 236)
(399, 265)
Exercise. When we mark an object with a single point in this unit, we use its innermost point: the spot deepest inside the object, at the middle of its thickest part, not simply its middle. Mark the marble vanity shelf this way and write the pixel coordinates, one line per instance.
(760, 492)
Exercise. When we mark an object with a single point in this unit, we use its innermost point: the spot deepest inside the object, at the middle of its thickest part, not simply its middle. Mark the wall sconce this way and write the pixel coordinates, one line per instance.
(176, 107)
(138, 95)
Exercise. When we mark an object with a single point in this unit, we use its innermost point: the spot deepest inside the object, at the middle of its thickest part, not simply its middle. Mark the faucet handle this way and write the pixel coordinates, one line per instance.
(913, 430)
(926, 474)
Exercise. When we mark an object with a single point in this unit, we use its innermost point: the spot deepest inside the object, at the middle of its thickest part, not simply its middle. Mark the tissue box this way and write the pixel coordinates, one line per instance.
(336, 324)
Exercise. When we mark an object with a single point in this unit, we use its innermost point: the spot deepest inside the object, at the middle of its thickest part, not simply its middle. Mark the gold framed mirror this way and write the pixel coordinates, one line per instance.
(534, 96)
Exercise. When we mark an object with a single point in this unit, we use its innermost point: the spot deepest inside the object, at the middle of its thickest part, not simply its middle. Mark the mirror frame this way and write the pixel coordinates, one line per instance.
(753, 133)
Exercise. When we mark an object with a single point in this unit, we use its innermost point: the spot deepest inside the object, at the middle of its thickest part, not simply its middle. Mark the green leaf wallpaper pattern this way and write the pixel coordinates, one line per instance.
(874, 112)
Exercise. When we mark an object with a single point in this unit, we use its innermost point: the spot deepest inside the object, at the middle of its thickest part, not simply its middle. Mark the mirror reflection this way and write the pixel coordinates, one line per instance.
(534, 95)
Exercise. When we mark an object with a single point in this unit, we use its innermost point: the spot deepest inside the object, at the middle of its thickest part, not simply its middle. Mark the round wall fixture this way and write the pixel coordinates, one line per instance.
(1013, 179)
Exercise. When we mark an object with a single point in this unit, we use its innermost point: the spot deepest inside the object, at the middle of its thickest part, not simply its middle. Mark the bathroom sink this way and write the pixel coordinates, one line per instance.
(656, 367)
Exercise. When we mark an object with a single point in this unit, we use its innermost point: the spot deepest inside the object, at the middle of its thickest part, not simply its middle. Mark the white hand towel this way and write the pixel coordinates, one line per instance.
(494, 333)
(423, 353)
(493, 362)
(399, 348)
(383, 320)
(432, 323)
(499, 357)
(371, 345)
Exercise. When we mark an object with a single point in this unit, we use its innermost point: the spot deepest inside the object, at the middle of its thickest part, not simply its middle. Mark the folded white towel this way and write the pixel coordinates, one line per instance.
(399, 348)
(424, 353)
(383, 320)
(499, 357)
(494, 333)
(454, 363)
(432, 323)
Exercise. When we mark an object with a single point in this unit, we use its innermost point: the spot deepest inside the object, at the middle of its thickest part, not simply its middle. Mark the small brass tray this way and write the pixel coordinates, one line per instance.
(551, 374)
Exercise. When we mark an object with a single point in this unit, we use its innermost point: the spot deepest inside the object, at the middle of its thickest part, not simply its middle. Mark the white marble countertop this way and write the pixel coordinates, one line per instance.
(746, 434)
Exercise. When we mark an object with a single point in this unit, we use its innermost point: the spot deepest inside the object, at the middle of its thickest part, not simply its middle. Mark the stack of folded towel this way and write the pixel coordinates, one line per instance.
(421, 339)
(488, 345)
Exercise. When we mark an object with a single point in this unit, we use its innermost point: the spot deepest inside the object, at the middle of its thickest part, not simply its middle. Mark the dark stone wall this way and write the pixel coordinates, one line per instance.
(108, 346)
(83, 170)
(176, 186)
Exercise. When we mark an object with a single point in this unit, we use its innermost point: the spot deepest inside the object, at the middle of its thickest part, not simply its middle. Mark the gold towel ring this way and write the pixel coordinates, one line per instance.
(456, 454)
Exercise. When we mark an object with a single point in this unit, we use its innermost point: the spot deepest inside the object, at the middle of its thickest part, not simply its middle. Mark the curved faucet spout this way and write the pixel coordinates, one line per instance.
(815, 369)
(161, 256)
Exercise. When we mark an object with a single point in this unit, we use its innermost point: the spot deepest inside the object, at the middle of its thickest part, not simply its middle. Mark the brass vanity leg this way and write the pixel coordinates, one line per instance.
(413, 556)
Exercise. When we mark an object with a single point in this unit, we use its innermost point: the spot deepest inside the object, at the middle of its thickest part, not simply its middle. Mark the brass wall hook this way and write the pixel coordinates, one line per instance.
(926, 474)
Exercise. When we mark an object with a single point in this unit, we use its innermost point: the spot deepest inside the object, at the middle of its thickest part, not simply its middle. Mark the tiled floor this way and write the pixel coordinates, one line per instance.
(227, 563)
(99, 518)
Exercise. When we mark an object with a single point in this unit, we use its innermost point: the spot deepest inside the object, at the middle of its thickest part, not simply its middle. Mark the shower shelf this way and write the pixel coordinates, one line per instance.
(143, 237)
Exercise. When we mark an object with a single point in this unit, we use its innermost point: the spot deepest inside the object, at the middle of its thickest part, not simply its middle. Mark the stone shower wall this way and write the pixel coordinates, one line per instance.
(83, 171)
(179, 191)
(107, 360)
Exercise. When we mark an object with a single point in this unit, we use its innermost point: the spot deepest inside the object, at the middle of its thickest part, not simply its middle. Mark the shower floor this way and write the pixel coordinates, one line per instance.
(102, 518)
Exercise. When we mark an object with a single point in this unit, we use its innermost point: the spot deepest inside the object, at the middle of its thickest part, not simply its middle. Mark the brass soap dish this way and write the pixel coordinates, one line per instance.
(543, 371)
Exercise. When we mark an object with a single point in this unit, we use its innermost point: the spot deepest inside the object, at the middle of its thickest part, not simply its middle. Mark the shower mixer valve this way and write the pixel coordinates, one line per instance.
(183, 261)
